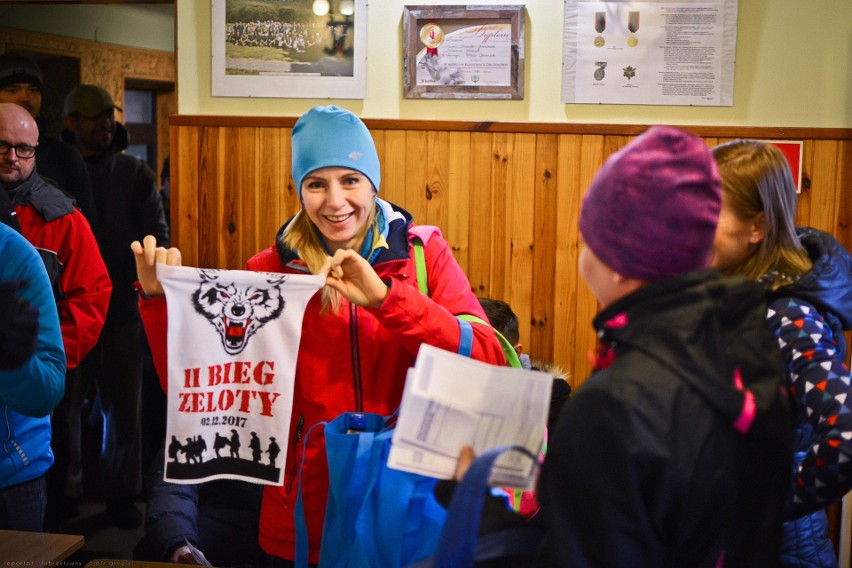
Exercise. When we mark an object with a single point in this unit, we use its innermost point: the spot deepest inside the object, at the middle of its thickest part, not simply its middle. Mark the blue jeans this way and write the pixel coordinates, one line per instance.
(22, 506)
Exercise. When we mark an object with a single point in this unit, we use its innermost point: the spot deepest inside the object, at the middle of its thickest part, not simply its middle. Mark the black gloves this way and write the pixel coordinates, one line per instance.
(18, 326)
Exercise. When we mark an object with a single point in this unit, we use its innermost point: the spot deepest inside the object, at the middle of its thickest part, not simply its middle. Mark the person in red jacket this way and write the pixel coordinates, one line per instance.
(49, 220)
(362, 332)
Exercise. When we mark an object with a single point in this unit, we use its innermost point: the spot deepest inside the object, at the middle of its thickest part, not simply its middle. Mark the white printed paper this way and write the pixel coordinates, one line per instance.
(451, 401)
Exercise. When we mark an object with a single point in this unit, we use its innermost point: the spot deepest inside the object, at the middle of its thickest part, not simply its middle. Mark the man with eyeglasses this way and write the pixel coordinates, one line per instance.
(21, 82)
(46, 216)
(48, 219)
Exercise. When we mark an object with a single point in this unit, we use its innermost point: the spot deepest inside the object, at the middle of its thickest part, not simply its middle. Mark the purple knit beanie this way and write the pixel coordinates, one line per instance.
(651, 211)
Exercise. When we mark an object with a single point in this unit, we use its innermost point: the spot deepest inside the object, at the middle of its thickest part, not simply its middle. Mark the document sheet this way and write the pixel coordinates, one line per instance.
(451, 401)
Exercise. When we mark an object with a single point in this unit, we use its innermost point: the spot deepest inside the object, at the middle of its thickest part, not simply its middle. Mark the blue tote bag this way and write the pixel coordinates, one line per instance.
(376, 516)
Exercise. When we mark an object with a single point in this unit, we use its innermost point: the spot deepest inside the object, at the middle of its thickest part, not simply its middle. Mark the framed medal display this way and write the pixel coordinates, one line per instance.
(463, 52)
(651, 52)
(296, 49)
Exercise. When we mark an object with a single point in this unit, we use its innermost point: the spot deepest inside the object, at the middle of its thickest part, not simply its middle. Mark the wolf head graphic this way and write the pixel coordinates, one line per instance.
(237, 311)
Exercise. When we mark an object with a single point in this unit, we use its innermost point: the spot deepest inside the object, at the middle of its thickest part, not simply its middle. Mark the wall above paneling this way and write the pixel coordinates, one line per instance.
(793, 69)
(147, 25)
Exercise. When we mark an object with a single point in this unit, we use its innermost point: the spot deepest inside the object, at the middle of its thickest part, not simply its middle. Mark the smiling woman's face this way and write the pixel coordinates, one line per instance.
(338, 201)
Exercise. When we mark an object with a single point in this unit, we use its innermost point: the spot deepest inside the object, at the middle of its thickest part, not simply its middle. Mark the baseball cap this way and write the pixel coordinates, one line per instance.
(88, 101)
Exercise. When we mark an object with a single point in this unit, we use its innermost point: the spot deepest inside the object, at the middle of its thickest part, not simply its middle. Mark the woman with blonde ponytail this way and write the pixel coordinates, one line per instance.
(361, 335)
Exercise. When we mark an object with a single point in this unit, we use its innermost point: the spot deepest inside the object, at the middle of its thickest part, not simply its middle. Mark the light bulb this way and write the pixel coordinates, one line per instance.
(347, 7)
(321, 7)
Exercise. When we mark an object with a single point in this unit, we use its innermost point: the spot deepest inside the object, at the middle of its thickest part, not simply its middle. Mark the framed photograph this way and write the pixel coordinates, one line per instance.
(463, 52)
(295, 49)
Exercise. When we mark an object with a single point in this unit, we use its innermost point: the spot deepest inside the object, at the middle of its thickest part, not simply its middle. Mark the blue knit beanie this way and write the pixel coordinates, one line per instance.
(331, 136)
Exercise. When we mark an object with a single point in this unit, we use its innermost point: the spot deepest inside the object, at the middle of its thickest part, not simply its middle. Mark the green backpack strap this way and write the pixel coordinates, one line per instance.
(420, 265)
(422, 284)
(512, 358)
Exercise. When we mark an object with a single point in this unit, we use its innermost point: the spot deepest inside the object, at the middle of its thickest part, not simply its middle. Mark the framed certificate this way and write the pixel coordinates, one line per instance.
(463, 52)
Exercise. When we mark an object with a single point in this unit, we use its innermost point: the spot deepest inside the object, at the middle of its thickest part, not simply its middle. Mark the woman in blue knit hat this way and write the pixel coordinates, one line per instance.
(361, 336)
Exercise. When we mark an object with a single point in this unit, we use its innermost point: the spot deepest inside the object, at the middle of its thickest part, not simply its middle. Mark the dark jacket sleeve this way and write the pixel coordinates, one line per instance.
(171, 514)
(37, 386)
(819, 382)
(151, 216)
(79, 186)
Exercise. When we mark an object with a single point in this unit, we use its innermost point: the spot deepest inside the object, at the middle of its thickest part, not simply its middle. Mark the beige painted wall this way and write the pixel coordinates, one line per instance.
(794, 68)
(149, 26)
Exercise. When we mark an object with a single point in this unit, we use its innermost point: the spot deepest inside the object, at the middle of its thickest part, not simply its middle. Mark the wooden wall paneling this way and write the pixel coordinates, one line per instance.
(209, 210)
(824, 185)
(803, 207)
(499, 278)
(416, 174)
(252, 191)
(539, 342)
(564, 295)
(392, 158)
(843, 230)
(237, 157)
(481, 234)
(844, 193)
(379, 141)
(458, 196)
(435, 183)
(270, 194)
(189, 157)
(612, 144)
(520, 222)
(592, 156)
(507, 199)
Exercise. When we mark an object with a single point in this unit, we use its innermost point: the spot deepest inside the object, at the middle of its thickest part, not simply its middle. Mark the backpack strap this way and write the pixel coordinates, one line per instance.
(422, 284)
(512, 358)
(458, 545)
(420, 265)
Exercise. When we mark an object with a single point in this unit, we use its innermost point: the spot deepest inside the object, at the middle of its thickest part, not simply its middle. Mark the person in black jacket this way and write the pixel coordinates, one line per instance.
(129, 207)
(674, 451)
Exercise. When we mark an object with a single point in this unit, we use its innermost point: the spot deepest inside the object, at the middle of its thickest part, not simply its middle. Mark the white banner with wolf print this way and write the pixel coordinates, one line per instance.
(233, 341)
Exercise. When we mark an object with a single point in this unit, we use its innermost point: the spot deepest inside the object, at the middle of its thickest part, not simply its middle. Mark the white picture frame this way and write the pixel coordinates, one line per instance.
(321, 57)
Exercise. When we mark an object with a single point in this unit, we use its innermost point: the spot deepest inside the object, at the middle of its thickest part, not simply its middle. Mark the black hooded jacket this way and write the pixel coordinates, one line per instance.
(128, 207)
(647, 465)
(60, 164)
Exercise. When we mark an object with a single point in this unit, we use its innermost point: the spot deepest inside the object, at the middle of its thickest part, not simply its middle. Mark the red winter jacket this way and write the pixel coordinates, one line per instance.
(82, 287)
(354, 360)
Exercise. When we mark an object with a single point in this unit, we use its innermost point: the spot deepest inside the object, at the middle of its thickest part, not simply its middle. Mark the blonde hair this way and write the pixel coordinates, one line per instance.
(303, 237)
(756, 178)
